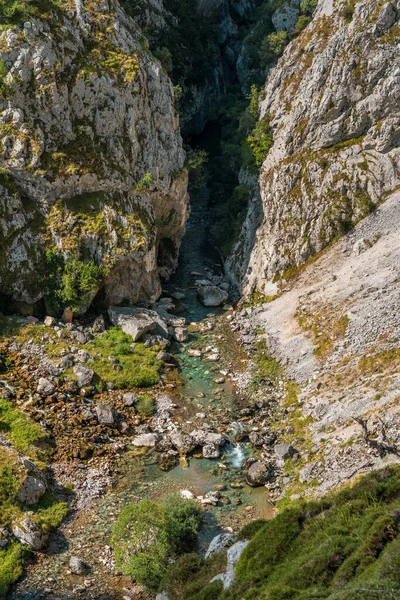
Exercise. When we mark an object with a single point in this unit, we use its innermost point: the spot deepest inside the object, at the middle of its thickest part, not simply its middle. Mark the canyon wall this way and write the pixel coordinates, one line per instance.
(92, 164)
(332, 103)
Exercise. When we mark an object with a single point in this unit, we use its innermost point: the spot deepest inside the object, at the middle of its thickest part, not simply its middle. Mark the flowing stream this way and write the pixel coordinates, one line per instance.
(87, 533)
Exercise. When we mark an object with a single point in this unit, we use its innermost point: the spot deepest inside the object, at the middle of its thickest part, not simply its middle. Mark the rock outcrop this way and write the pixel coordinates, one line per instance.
(92, 184)
(333, 112)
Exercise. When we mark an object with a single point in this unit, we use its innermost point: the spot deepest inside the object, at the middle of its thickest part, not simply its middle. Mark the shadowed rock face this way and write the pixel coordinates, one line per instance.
(91, 156)
(334, 118)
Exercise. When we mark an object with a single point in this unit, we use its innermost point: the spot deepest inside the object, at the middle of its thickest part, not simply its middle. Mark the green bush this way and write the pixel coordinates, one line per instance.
(273, 46)
(146, 182)
(146, 406)
(147, 534)
(261, 140)
(78, 280)
(14, 11)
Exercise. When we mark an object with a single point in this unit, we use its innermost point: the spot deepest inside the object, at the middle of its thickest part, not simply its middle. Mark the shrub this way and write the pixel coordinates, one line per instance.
(261, 140)
(183, 522)
(147, 534)
(78, 280)
(273, 46)
(146, 406)
(145, 183)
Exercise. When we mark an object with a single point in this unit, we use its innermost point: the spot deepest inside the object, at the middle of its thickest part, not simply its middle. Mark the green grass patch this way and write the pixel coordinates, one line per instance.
(140, 368)
(18, 427)
(11, 566)
(266, 368)
(344, 546)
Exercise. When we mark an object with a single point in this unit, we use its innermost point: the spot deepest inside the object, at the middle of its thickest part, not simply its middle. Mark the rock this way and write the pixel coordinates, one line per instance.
(194, 352)
(45, 387)
(233, 555)
(31, 489)
(137, 321)
(210, 498)
(219, 543)
(211, 295)
(166, 460)
(99, 325)
(361, 246)
(284, 451)
(129, 399)
(180, 334)
(187, 495)
(67, 315)
(307, 473)
(32, 320)
(213, 357)
(4, 537)
(162, 596)
(258, 474)
(165, 357)
(84, 375)
(29, 533)
(211, 451)
(83, 356)
(178, 295)
(66, 362)
(151, 340)
(183, 442)
(49, 321)
(106, 414)
(147, 440)
(77, 566)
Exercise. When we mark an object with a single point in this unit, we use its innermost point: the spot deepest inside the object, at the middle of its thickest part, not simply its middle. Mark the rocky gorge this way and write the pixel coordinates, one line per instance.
(244, 358)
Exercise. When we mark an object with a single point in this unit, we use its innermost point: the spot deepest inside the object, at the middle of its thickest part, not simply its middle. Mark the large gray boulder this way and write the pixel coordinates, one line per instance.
(137, 321)
(211, 295)
(84, 375)
(219, 543)
(183, 442)
(106, 414)
(30, 534)
(233, 555)
(45, 387)
(147, 440)
(258, 474)
(31, 489)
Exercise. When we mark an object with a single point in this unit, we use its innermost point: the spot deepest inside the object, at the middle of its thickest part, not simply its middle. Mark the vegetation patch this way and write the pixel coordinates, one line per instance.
(18, 427)
(135, 366)
(147, 535)
(326, 328)
(345, 546)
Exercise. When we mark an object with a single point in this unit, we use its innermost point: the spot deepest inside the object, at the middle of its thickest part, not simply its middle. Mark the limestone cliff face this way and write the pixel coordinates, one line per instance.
(333, 106)
(91, 157)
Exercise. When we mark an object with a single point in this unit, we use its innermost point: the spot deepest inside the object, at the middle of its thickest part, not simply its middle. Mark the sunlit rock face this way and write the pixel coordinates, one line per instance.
(91, 158)
(332, 102)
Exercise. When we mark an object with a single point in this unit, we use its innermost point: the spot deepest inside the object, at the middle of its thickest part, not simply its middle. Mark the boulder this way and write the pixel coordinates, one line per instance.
(49, 321)
(31, 489)
(166, 460)
(99, 325)
(187, 495)
(4, 537)
(29, 533)
(106, 414)
(233, 555)
(258, 474)
(284, 451)
(147, 440)
(219, 543)
(45, 387)
(211, 451)
(77, 566)
(67, 315)
(183, 442)
(129, 399)
(137, 321)
(180, 334)
(84, 375)
(211, 295)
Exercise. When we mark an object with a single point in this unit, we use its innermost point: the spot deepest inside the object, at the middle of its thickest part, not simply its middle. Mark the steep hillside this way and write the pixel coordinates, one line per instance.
(93, 190)
(331, 106)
